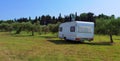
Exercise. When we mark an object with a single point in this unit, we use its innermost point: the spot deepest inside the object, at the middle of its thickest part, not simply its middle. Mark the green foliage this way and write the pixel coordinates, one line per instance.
(101, 26)
(6, 27)
(26, 26)
(45, 23)
(87, 17)
(114, 27)
(54, 27)
(104, 26)
(83, 17)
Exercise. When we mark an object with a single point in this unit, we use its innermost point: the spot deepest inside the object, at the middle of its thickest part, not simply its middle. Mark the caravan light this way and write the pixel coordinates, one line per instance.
(77, 39)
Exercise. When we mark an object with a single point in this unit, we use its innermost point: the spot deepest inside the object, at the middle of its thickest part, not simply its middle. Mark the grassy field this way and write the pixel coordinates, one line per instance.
(49, 48)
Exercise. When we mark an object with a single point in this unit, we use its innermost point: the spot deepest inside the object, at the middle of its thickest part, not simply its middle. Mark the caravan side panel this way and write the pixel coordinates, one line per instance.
(85, 31)
(68, 31)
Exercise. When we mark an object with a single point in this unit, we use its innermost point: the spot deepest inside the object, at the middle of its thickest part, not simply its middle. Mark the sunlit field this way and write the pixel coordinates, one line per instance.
(48, 47)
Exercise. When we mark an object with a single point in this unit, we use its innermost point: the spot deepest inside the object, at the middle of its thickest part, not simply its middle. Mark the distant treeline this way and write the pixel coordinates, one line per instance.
(47, 19)
(103, 24)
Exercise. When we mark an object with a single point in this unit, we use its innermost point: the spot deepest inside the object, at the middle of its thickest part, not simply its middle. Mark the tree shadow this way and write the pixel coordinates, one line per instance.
(18, 35)
(76, 42)
(117, 39)
(99, 43)
(48, 37)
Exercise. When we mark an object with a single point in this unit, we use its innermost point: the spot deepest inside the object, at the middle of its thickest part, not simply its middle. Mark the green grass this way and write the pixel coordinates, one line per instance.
(48, 47)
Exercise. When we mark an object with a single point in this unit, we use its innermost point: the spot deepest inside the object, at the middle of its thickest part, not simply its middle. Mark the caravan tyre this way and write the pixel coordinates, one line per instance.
(65, 39)
(81, 41)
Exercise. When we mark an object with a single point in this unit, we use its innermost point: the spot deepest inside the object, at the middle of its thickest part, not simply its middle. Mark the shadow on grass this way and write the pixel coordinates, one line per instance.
(48, 37)
(99, 43)
(18, 35)
(63, 42)
(117, 39)
(76, 42)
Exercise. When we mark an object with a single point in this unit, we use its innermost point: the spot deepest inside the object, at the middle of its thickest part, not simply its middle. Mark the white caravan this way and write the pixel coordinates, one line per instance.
(77, 31)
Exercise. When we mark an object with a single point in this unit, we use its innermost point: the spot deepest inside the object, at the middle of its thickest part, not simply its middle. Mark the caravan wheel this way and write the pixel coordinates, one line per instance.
(65, 38)
(81, 41)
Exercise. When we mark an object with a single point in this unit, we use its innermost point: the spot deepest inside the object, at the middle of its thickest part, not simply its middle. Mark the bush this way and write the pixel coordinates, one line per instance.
(6, 27)
(105, 25)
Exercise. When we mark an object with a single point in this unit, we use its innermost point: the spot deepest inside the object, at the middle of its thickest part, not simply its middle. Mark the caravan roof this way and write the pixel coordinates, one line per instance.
(83, 22)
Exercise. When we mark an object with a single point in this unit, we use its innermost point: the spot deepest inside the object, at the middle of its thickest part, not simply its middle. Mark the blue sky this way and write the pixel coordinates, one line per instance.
(10, 9)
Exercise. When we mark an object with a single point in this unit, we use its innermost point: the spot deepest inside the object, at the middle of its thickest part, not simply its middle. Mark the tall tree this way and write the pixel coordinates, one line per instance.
(43, 20)
(54, 21)
(67, 19)
(60, 19)
(76, 17)
(90, 17)
(22, 20)
(48, 19)
(83, 17)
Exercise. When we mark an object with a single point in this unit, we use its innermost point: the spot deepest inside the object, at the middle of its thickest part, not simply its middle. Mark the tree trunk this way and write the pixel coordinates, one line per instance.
(32, 32)
(18, 31)
(111, 39)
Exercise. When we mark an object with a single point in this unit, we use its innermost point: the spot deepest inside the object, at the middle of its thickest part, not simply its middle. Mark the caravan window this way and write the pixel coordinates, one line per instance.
(60, 29)
(72, 29)
(85, 29)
